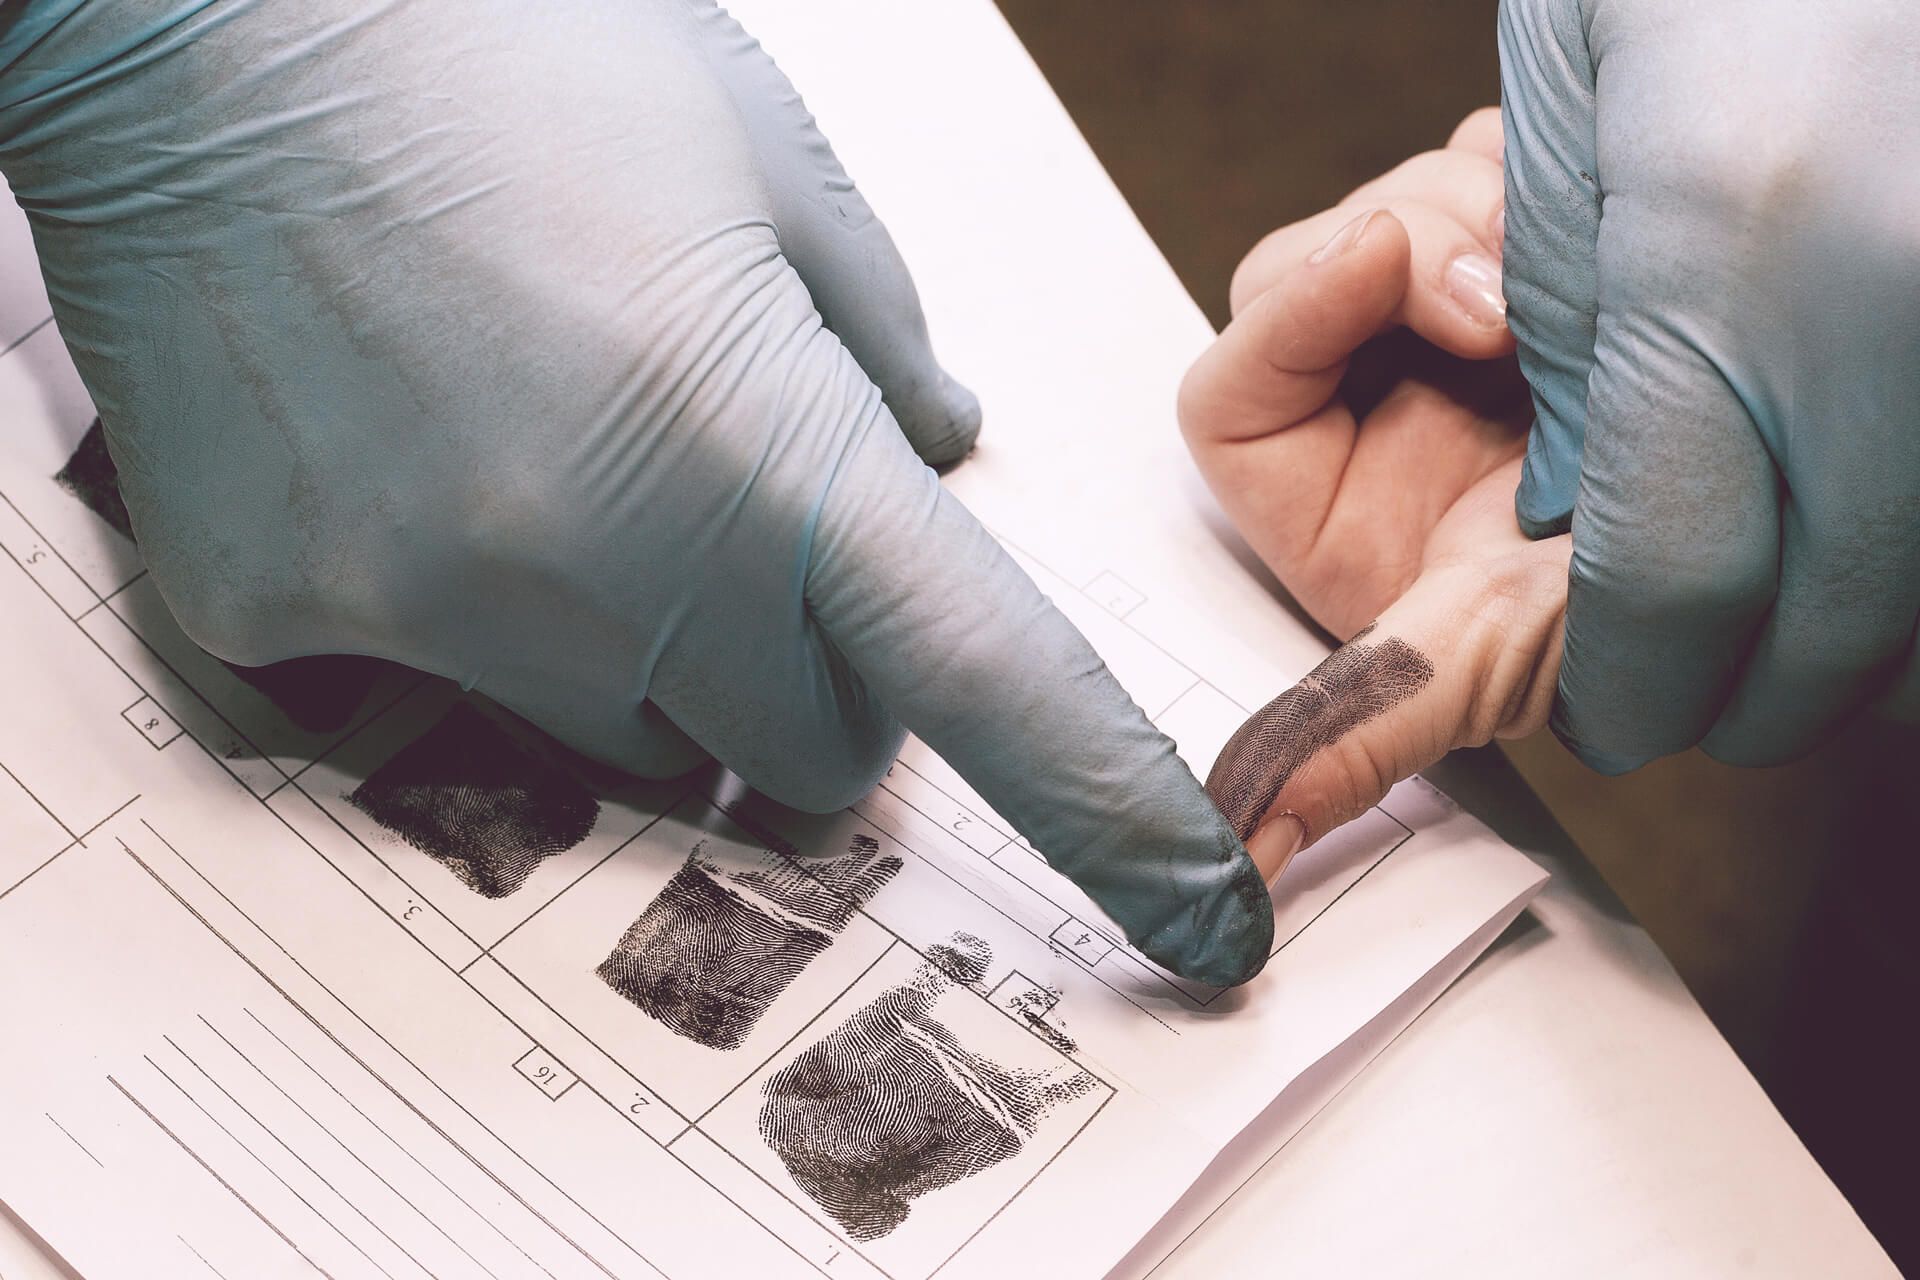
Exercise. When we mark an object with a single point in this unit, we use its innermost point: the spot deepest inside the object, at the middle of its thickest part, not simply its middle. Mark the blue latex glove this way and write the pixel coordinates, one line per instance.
(1713, 270)
(547, 347)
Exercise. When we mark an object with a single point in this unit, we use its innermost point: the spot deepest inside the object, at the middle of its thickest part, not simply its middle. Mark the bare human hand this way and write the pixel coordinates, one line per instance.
(1363, 421)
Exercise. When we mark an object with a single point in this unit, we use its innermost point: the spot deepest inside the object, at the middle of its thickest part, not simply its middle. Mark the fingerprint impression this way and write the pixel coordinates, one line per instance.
(319, 694)
(892, 1105)
(477, 802)
(717, 945)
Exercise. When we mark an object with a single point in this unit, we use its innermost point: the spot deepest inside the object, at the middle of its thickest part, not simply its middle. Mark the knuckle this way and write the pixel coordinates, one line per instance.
(1656, 579)
(1438, 169)
(247, 613)
(843, 769)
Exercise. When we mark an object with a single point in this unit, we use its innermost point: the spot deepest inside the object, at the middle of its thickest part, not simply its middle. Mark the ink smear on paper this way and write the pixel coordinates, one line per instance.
(717, 946)
(479, 803)
(91, 477)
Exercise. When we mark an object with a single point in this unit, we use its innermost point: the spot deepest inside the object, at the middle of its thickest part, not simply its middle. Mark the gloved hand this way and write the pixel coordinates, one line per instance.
(1713, 271)
(550, 349)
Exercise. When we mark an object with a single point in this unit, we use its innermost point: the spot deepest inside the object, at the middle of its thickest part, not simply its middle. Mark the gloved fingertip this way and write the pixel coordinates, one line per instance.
(1744, 749)
(1608, 763)
(946, 432)
(1543, 510)
(1225, 945)
(953, 438)
(1537, 527)
(1549, 482)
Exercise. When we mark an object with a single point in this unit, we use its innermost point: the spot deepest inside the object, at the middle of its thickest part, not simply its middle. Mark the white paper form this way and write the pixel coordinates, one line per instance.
(377, 981)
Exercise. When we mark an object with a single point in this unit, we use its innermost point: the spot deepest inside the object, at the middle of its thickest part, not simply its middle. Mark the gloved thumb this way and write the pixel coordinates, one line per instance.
(1466, 655)
(1548, 263)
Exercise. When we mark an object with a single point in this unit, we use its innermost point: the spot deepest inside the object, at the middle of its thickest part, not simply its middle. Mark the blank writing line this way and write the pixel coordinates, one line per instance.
(271, 1171)
(397, 1144)
(158, 1123)
(70, 1138)
(344, 1147)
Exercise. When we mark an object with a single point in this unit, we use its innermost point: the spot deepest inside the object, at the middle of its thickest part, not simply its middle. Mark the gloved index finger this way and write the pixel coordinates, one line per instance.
(964, 649)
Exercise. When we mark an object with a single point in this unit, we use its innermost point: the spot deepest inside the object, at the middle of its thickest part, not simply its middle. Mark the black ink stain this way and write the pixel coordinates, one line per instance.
(1032, 1008)
(319, 694)
(1356, 683)
(717, 946)
(477, 802)
(91, 477)
(892, 1105)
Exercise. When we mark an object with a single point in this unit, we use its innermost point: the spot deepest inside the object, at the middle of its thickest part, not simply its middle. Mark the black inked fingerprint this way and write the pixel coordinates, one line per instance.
(717, 946)
(480, 804)
(891, 1105)
(91, 477)
(1356, 683)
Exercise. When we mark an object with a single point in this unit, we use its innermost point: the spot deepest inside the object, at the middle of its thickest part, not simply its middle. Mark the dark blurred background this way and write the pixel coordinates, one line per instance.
(1783, 895)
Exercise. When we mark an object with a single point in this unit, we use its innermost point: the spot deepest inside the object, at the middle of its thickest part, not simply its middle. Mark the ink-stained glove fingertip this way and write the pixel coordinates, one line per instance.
(944, 438)
(1223, 944)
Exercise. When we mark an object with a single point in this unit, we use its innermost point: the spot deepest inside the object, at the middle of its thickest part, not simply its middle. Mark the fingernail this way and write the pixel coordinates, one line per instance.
(1474, 281)
(1497, 226)
(1275, 841)
(1343, 239)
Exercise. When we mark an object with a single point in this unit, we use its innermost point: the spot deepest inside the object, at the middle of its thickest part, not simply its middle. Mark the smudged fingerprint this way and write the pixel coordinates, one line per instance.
(892, 1105)
(477, 802)
(717, 946)
(319, 694)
